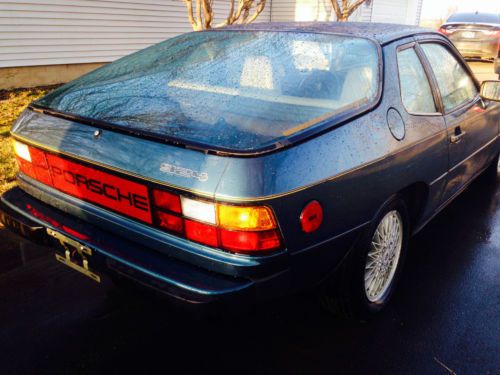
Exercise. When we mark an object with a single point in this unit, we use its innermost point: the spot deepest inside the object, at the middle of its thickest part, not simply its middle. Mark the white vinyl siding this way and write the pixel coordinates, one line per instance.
(390, 11)
(366, 12)
(300, 10)
(396, 11)
(48, 32)
(418, 11)
(311, 10)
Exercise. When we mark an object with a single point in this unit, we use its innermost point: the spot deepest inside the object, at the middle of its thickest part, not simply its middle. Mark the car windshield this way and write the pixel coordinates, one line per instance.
(475, 18)
(235, 90)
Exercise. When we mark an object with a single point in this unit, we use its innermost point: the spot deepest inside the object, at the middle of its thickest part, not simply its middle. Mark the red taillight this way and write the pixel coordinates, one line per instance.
(87, 183)
(238, 229)
(247, 242)
(494, 33)
(311, 217)
(202, 233)
(26, 167)
(167, 201)
(40, 166)
(444, 31)
(169, 222)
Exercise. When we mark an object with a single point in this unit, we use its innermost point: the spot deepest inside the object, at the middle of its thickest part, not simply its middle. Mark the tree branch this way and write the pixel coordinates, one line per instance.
(230, 16)
(258, 10)
(198, 14)
(202, 17)
(344, 11)
(189, 6)
(207, 13)
(336, 8)
(241, 6)
(353, 7)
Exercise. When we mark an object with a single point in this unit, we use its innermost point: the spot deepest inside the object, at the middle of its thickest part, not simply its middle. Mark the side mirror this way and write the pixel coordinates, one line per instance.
(490, 90)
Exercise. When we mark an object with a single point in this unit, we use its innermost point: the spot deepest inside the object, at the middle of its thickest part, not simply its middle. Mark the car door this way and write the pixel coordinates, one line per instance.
(469, 132)
(423, 119)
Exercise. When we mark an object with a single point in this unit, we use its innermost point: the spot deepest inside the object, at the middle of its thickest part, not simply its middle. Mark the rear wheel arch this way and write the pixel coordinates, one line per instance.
(415, 197)
(344, 292)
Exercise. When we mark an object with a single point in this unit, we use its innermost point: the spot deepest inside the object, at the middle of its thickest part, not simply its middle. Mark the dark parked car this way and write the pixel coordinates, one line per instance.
(247, 163)
(476, 35)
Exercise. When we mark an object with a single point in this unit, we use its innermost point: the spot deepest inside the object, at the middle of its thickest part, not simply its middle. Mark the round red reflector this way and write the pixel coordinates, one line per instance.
(311, 217)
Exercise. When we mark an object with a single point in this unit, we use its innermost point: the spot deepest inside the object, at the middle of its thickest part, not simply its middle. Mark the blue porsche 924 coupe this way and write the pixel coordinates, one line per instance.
(241, 164)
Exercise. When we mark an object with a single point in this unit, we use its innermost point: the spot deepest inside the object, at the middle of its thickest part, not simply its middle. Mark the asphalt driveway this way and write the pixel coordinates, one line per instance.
(444, 318)
(483, 70)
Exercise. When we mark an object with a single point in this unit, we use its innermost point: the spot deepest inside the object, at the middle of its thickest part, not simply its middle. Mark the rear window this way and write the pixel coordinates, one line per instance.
(231, 90)
(475, 18)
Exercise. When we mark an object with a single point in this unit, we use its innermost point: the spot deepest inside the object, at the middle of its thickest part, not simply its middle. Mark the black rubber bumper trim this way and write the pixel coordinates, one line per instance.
(23, 226)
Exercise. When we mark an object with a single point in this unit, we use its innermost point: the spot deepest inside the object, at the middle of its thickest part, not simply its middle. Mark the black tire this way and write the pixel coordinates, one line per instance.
(344, 293)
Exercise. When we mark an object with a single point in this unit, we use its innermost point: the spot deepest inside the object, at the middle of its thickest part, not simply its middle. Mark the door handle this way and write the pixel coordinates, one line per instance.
(457, 137)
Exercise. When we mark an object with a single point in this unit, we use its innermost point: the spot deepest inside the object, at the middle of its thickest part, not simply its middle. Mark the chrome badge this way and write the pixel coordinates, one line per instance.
(183, 172)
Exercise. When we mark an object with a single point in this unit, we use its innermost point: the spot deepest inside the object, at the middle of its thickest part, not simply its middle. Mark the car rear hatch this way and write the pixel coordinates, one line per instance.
(122, 157)
(473, 38)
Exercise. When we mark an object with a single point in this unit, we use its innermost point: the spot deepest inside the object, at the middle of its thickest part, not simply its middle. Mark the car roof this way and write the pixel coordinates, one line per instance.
(381, 32)
(473, 13)
(474, 17)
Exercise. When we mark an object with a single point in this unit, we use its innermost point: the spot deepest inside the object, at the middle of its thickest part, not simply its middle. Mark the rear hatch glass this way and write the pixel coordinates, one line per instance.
(486, 18)
(228, 90)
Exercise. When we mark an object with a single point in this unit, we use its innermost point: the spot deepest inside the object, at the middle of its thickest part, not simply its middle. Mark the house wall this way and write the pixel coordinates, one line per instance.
(49, 32)
(42, 75)
(390, 11)
(53, 41)
(311, 10)
(396, 11)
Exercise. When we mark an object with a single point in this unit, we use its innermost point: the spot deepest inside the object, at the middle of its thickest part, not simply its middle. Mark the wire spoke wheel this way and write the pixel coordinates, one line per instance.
(383, 257)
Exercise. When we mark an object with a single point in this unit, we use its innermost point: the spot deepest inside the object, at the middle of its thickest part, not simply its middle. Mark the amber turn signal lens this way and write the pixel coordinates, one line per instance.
(245, 218)
(311, 217)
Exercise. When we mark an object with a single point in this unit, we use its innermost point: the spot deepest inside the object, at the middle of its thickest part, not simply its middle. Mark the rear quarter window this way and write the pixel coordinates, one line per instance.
(416, 92)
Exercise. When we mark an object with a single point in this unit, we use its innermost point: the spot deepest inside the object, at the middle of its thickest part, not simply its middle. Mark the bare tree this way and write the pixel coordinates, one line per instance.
(201, 14)
(346, 7)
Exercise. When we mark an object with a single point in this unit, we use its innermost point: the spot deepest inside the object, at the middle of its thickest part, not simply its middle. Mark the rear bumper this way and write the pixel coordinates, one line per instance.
(29, 217)
(485, 50)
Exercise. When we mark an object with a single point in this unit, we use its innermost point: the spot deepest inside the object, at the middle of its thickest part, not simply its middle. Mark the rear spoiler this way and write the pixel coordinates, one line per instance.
(491, 25)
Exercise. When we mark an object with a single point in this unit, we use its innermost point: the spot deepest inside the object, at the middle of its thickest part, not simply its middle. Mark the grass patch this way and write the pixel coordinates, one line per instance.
(8, 168)
(12, 103)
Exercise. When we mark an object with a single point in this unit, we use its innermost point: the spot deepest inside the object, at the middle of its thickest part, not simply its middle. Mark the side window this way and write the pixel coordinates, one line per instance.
(455, 84)
(416, 91)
